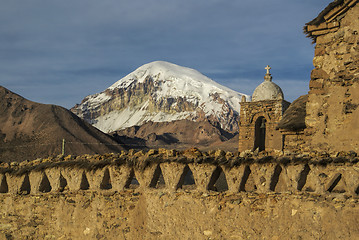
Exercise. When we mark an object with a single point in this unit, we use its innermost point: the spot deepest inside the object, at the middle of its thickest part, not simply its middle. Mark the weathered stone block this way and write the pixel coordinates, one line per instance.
(202, 174)
(172, 173)
(263, 175)
(14, 183)
(145, 177)
(319, 74)
(316, 84)
(35, 180)
(76, 178)
(95, 178)
(54, 177)
(119, 176)
(234, 176)
(320, 51)
(317, 91)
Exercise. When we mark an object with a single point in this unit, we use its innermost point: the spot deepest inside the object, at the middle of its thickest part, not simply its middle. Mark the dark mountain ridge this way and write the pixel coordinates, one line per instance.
(31, 130)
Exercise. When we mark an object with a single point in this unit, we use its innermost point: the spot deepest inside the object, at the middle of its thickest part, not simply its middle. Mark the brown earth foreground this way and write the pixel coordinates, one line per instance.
(159, 214)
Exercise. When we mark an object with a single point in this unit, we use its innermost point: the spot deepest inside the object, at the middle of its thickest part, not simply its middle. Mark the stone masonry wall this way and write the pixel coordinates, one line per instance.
(294, 141)
(332, 109)
(146, 196)
(272, 111)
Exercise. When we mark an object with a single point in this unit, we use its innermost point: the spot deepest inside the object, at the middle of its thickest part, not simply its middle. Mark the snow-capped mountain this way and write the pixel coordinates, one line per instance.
(161, 92)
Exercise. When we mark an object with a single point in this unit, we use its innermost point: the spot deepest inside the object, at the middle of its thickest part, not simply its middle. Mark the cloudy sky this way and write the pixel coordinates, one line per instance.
(60, 51)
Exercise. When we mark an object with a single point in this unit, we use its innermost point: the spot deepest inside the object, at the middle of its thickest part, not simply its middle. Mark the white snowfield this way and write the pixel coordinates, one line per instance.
(173, 81)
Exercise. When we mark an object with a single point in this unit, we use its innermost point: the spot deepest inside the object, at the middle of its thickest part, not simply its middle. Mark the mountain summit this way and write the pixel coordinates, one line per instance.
(161, 92)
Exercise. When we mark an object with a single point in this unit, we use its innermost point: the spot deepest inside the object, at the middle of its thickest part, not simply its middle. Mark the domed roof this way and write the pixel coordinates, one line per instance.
(267, 90)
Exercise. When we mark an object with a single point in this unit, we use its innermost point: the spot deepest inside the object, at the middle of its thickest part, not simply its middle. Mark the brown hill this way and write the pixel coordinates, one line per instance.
(180, 134)
(30, 130)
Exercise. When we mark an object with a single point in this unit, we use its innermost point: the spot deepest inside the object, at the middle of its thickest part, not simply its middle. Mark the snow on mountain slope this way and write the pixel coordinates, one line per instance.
(161, 92)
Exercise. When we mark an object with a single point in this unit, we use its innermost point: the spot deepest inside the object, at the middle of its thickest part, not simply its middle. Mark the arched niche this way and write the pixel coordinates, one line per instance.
(260, 133)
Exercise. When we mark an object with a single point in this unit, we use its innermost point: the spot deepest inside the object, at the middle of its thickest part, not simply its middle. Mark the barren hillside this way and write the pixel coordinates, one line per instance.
(31, 130)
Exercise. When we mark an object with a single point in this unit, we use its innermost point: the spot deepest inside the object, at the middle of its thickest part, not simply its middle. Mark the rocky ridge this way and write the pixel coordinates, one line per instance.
(180, 134)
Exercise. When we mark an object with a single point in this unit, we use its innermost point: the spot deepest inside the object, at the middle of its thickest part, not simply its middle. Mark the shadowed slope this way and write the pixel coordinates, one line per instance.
(180, 134)
(30, 130)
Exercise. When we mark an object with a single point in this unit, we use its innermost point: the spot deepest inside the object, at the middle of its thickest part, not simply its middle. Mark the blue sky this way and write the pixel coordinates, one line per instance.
(58, 52)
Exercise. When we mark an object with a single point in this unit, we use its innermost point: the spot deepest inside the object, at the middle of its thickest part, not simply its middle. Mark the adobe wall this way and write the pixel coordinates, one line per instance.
(252, 197)
(294, 141)
(272, 111)
(332, 109)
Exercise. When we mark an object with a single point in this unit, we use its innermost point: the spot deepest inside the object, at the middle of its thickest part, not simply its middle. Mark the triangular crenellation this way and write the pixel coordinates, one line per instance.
(157, 180)
(25, 185)
(186, 180)
(84, 182)
(303, 177)
(45, 185)
(62, 183)
(247, 181)
(132, 181)
(336, 184)
(276, 177)
(218, 181)
(4, 188)
(106, 180)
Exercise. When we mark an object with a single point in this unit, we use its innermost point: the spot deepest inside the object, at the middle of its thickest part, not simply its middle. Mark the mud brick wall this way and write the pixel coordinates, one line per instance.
(294, 141)
(164, 194)
(332, 110)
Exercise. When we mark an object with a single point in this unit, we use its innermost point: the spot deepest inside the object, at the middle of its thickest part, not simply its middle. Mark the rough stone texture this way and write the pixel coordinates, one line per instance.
(266, 198)
(233, 175)
(172, 173)
(294, 141)
(332, 109)
(14, 182)
(272, 111)
(160, 215)
(119, 176)
(202, 174)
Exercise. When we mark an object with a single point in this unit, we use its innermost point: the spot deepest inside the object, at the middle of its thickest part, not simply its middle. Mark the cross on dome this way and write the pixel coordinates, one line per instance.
(268, 68)
(267, 90)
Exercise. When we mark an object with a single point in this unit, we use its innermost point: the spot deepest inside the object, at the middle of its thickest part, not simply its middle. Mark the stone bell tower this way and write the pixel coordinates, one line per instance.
(259, 118)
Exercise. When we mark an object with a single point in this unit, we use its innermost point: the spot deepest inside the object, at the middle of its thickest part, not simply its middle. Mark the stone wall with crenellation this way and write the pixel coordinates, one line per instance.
(163, 194)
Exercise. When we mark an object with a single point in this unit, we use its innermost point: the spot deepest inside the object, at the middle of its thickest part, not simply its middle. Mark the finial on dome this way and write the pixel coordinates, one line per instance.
(268, 76)
(268, 68)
